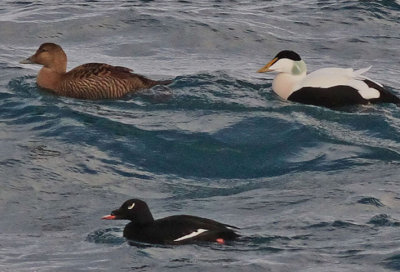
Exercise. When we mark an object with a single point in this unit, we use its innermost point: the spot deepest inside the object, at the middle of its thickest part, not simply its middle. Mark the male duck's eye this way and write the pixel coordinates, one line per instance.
(131, 206)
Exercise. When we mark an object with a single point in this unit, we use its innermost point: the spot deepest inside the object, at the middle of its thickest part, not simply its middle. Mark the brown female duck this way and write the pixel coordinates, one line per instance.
(87, 81)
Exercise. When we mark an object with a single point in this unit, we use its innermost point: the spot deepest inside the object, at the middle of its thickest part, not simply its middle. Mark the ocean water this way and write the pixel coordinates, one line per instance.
(312, 189)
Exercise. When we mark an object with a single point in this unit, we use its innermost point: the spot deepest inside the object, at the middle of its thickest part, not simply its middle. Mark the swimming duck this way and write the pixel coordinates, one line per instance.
(87, 81)
(177, 229)
(329, 87)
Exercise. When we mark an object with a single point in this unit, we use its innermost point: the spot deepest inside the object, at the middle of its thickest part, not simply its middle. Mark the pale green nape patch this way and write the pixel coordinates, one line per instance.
(299, 67)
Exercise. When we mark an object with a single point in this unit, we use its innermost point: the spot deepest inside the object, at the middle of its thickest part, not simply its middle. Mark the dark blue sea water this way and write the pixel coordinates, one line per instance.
(312, 189)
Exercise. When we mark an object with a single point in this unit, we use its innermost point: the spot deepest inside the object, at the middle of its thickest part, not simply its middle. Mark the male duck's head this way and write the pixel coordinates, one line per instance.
(285, 62)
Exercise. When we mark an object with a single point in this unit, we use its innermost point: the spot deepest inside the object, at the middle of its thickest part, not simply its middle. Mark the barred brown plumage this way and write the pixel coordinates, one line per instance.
(87, 81)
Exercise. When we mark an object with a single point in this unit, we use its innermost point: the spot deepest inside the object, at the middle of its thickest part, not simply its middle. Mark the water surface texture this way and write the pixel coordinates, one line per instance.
(312, 189)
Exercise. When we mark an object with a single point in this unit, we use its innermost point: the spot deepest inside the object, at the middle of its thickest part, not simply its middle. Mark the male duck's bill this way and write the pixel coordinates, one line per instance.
(266, 68)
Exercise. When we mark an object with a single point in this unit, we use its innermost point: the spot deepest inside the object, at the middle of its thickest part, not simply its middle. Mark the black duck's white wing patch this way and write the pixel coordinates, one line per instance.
(191, 235)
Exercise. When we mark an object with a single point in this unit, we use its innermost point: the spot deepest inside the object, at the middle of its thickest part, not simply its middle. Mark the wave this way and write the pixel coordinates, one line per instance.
(214, 125)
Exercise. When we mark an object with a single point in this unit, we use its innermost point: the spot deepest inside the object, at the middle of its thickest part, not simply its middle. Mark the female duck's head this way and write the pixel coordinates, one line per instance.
(50, 55)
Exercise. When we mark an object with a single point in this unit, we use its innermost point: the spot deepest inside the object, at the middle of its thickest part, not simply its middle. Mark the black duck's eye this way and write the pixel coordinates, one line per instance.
(131, 206)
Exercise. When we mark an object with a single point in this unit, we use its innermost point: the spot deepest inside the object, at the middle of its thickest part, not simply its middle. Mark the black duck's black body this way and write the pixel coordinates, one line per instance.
(177, 229)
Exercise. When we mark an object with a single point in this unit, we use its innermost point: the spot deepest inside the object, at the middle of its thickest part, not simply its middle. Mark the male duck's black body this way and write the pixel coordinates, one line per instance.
(178, 229)
(329, 87)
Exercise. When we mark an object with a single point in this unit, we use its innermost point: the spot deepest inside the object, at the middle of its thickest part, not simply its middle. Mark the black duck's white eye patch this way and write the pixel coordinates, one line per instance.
(131, 206)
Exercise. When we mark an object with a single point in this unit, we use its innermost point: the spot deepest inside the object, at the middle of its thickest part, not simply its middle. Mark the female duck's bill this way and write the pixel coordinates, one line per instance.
(177, 229)
(329, 87)
(87, 81)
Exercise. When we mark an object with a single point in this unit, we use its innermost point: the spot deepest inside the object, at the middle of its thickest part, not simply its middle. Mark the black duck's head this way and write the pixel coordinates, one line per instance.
(134, 210)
